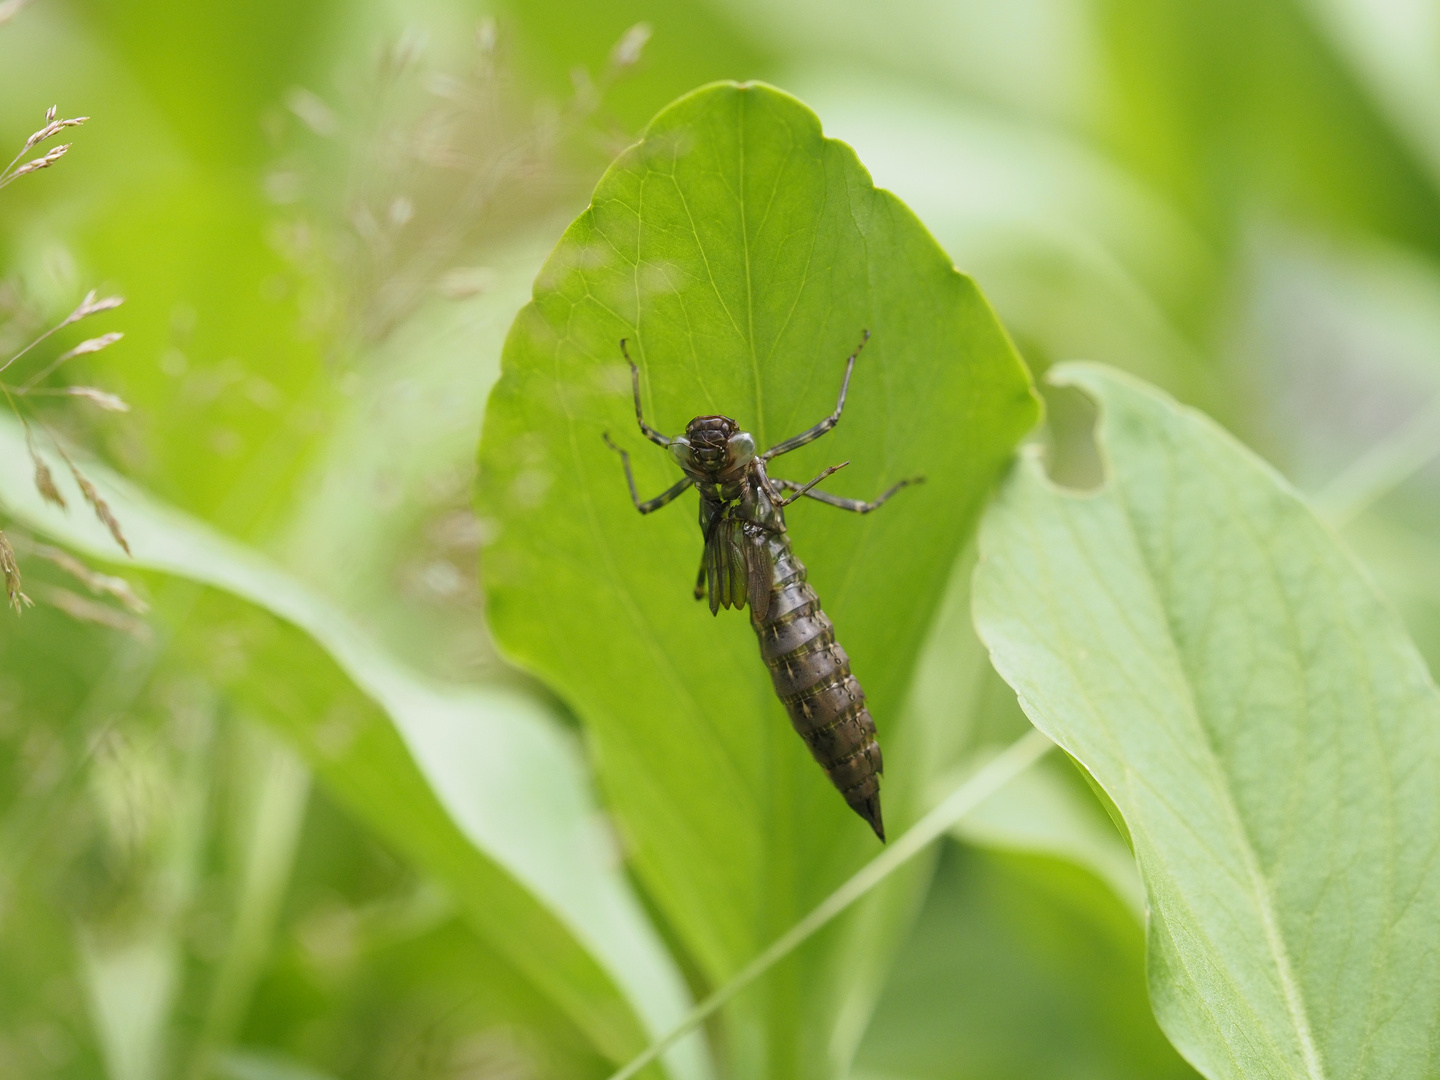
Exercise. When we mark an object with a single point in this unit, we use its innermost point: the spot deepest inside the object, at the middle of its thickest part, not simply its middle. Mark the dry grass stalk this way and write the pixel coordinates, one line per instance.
(49, 491)
(45, 481)
(103, 398)
(88, 306)
(99, 505)
(11, 569)
(52, 127)
(437, 163)
(36, 164)
(90, 345)
(631, 45)
(44, 478)
(99, 584)
(83, 610)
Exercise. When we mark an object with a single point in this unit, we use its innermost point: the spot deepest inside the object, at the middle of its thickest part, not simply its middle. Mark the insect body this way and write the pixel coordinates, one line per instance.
(748, 560)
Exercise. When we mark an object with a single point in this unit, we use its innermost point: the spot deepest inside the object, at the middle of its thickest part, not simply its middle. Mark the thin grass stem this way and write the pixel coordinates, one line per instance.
(999, 771)
(1382, 468)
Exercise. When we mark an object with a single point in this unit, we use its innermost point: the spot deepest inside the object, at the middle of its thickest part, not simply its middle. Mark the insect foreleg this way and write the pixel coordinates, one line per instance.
(804, 489)
(829, 422)
(645, 429)
(858, 506)
(669, 495)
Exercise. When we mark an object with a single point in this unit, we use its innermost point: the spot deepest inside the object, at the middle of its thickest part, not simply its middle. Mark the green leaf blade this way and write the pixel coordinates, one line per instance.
(1197, 639)
(742, 254)
(478, 784)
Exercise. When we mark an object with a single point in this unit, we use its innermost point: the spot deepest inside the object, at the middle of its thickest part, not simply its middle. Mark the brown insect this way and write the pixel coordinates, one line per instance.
(748, 560)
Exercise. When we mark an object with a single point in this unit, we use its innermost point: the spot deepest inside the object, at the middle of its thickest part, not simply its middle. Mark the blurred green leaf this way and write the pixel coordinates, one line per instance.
(1390, 47)
(1202, 645)
(689, 44)
(214, 69)
(275, 788)
(132, 988)
(248, 1065)
(741, 253)
(1230, 104)
(168, 210)
(491, 792)
(1018, 966)
(384, 526)
(377, 972)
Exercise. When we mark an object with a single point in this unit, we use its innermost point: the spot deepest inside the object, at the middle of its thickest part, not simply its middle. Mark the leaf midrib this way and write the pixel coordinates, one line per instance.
(1291, 991)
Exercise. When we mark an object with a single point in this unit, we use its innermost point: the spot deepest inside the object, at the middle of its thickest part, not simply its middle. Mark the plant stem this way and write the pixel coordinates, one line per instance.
(1015, 759)
(1382, 468)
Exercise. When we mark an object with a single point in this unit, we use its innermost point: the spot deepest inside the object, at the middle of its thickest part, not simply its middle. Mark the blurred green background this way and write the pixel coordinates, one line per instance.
(323, 217)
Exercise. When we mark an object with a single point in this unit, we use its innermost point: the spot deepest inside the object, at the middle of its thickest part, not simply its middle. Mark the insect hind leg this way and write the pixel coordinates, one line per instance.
(810, 435)
(855, 506)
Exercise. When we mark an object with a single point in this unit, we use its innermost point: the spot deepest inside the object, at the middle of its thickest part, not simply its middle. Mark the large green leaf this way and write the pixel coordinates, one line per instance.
(479, 784)
(1198, 640)
(742, 253)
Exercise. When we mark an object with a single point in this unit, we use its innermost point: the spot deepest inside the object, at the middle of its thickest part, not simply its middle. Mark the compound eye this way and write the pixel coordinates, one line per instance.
(680, 448)
(742, 447)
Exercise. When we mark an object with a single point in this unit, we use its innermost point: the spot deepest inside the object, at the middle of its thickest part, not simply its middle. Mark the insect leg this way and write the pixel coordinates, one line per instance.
(858, 506)
(645, 429)
(669, 495)
(797, 441)
(804, 489)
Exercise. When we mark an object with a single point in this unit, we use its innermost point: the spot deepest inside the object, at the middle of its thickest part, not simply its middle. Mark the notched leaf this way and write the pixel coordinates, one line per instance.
(1200, 642)
(1072, 457)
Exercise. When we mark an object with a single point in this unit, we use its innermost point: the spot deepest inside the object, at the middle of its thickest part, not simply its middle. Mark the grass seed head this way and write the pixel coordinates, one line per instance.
(45, 162)
(90, 306)
(10, 567)
(631, 45)
(89, 345)
(102, 398)
(84, 610)
(99, 505)
(98, 583)
(45, 481)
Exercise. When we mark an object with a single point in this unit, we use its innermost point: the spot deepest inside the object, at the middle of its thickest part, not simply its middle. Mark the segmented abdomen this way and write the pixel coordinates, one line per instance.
(812, 677)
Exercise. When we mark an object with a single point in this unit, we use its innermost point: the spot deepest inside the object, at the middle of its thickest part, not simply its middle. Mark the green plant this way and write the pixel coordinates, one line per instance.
(741, 253)
(308, 820)
(735, 246)
(19, 396)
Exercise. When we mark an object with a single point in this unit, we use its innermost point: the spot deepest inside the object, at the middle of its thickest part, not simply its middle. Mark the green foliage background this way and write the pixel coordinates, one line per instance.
(306, 820)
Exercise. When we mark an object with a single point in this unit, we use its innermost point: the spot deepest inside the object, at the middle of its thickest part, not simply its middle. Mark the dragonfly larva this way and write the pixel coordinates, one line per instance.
(748, 559)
